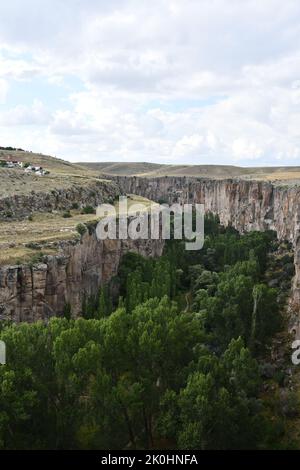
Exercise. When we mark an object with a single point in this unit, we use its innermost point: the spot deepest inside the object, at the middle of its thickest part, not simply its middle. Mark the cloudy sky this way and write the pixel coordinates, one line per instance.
(170, 81)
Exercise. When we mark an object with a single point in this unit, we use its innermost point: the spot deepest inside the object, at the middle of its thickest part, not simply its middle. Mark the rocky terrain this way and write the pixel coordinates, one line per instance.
(91, 192)
(36, 290)
(247, 205)
(288, 175)
(23, 194)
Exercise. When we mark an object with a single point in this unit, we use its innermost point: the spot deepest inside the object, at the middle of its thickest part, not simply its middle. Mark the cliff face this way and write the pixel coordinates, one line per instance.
(38, 292)
(247, 205)
(31, 293)
(94, 193)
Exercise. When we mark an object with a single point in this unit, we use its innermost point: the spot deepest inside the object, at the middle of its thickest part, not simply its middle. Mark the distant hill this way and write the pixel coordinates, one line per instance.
(62, 174)
(65, 174)
(123, 169)
(51, 163)
(208, 171)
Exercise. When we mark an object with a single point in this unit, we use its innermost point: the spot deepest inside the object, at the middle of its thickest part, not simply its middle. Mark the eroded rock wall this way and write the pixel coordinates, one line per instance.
(247, 205)
(22, 205)
(31, 293)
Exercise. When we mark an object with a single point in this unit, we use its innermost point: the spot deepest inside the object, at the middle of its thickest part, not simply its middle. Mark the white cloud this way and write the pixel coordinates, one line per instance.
(3, 90)
(20, 115)
(196, 81)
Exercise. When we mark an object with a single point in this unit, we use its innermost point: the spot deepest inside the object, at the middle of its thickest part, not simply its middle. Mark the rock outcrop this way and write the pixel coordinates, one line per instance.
(94, 193)
(28, 293)
(37, 292)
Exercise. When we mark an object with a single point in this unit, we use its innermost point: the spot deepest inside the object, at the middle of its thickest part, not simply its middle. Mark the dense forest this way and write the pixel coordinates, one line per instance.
(179, 358)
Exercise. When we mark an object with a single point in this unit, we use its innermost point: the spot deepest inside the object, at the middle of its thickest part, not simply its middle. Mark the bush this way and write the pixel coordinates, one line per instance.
(162, 201)
(88, 210)
(81, 229)
(36, 258)
(75, 205)
(67, 215)
(33, 246)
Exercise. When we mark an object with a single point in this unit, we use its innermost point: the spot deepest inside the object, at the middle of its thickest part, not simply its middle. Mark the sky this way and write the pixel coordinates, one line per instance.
(164, 81)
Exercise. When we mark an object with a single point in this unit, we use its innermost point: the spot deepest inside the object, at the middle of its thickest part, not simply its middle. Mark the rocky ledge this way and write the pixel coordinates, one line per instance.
(94, 193)
(37, 292)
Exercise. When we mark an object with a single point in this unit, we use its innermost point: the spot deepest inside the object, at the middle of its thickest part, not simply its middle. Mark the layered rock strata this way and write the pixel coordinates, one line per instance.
(37, 292)
(22, 205)
(246, 205)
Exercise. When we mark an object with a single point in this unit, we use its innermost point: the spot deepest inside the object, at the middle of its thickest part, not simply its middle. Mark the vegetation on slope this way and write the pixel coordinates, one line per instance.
(177, 361)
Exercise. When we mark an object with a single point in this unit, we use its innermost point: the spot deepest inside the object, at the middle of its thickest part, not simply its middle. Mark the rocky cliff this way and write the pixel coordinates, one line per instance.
(22, 205)
(37, 292)
(247, 205)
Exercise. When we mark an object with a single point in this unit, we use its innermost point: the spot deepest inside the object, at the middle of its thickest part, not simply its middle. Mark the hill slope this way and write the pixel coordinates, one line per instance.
(62, 174)
(208, 171)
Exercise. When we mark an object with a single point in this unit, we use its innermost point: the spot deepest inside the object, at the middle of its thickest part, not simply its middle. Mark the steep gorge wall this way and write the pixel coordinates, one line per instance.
(247, 205)
(93, 193)
(31, 293)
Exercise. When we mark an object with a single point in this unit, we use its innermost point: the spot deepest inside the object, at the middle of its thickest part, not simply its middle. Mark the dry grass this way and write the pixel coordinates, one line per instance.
(52, 164)
(132, 204)
(22, 255)
(206, 171)
(46, 230)
(62, 174)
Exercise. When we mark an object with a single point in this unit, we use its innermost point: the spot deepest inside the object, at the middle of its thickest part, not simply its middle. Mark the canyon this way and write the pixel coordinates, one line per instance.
(245, 204)
(39, 291)
(96, 192)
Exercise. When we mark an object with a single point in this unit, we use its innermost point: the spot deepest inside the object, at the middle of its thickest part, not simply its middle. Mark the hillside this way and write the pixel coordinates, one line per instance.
(43, 232)
(62, 174)
(208, 171)
(45, 210)
(53, 164)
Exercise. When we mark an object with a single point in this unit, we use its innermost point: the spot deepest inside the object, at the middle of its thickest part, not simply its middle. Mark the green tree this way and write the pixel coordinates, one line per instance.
(219, 409)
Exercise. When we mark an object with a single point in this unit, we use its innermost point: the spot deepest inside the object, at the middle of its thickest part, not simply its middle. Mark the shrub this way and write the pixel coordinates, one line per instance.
(88, 210)
(67, 313)
(36, 258)
(81, 229)
(33, 246)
